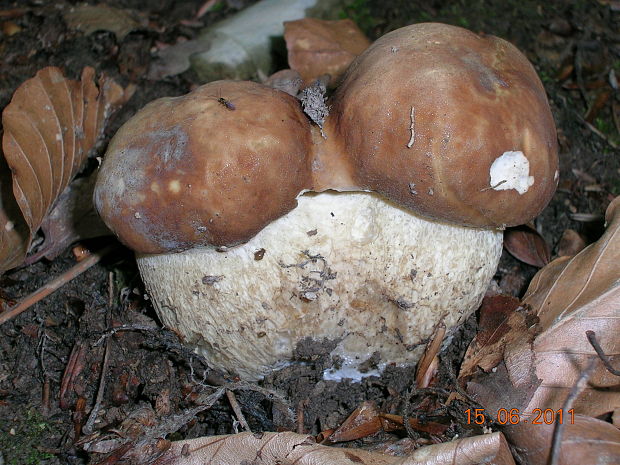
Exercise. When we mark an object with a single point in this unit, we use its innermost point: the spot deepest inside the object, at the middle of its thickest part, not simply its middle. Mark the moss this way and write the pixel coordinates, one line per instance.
(359, 12)
(20, 441)
(608, 128)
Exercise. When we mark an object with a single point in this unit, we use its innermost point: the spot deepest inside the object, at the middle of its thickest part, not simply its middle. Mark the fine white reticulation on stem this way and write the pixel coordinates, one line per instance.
(349, 271)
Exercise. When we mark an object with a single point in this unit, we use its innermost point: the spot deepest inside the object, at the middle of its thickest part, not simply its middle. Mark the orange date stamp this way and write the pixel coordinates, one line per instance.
(538, 416)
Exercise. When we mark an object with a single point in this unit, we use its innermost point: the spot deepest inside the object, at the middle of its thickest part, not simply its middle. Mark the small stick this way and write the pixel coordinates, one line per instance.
(45, 397)
(74, 367)
(238, 413)
(206, 6)
(599, 351)
(580, 385)
(88, 428)
(110, 289)
(432, 349)
(300, 415)
(493, 187)
(55, 284)
(412, 128)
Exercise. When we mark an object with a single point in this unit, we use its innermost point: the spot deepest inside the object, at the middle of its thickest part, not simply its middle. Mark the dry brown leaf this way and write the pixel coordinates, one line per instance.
(544, 352)
(427, 365)
(364, 421)
(367, 420)
(14, 236)
(526, 244)
(571, 243)
(298, 449)
(397, 447)
(50, 126)
(568, 297)
(317, 47)
(101, 17)
(600, 102)
(587, 441)
(502, 323)
(72, 218)
(571, 296)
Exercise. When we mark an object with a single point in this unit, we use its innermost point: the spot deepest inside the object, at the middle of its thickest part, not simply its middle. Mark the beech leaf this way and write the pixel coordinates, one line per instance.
(571, 243)
(571, 296)
(364, 421)
(526, 244)
(568, 297)
(14, 235)
(290, 448)
(101, 17)
(72, 218)
(503, 323)
(317, 47)
(538, 351)
(50, 126)
(585, 440)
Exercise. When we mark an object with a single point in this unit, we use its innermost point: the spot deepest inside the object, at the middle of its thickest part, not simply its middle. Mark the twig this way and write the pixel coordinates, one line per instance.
(412, 128)
(110, 289)
(432, 349)
(495, 186)
(268, 393)
(113, 331)
(238, 413)
(579, 386)
(301, 406)
(74, 367)
(206, 6)
(45, 397)
(90, 423)
(150, 435)
(599, 133)
(55, 284)
(599, 351)
(595, 130)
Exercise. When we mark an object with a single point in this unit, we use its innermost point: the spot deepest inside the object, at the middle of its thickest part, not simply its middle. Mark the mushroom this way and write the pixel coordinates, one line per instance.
(256, 235)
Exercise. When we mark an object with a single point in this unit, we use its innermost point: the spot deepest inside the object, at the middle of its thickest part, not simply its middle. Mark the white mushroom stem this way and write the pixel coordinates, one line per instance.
(348, 268)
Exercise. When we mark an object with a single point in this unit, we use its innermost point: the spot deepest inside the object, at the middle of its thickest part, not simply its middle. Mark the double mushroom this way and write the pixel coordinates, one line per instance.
(254, 233)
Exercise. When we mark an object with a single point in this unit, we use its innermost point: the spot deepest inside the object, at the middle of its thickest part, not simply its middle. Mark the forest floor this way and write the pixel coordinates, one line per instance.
(53, 362)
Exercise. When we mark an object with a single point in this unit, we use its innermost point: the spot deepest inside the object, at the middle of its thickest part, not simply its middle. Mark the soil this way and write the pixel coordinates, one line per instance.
(98, 335)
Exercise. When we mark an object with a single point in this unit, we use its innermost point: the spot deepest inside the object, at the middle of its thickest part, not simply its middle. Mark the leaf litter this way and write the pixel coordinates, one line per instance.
(329, 405)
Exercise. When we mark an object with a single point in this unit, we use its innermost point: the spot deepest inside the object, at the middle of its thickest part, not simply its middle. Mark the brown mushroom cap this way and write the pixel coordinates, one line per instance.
(448, 124)
(428, 108)
(209, 168)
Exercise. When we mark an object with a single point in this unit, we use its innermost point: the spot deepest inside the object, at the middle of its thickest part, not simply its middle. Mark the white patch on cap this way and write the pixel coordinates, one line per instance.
(174, 186)
(556, 176)
(511, 170)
